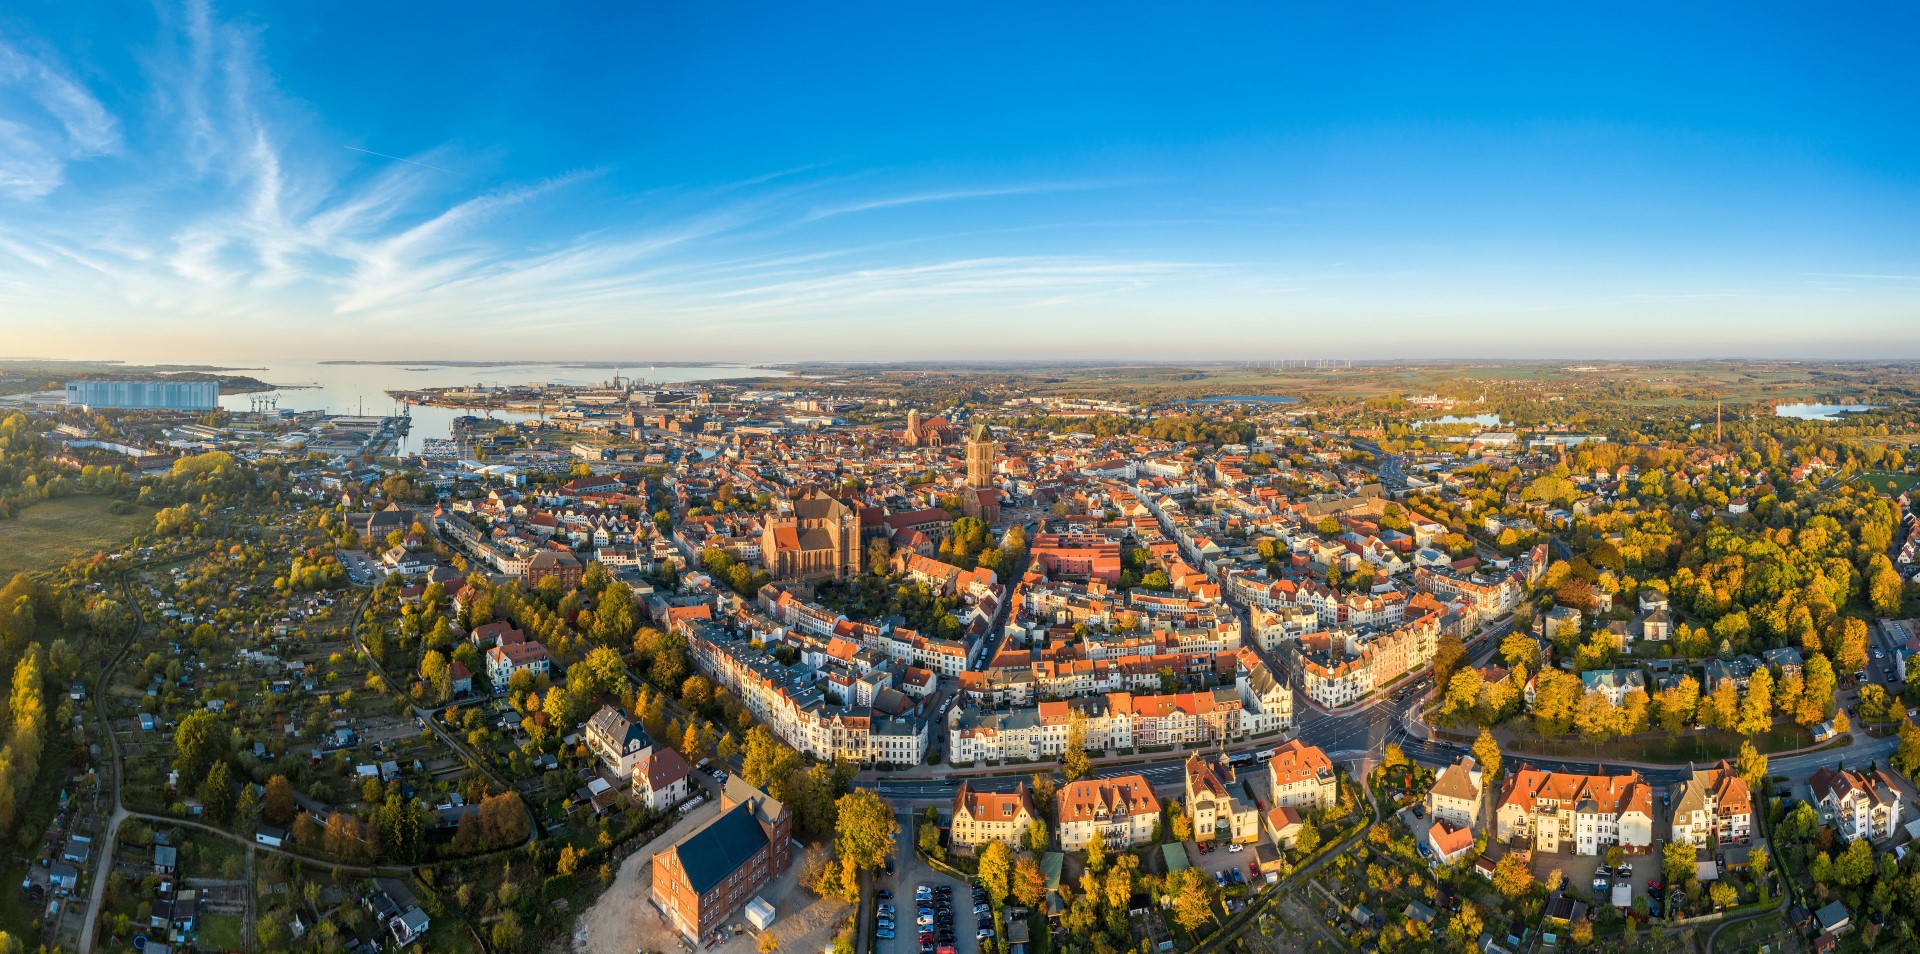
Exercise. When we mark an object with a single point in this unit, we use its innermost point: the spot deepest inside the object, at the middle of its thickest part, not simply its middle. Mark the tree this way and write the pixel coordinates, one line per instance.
(1037, 836)
(437, 674)
(1191, 905)
(1029, 882)
(1907, 757)
(929, 837)
(1841, 724)
(1308, 840)
(216, 794)
(507, 934)
(1043, 788)
(995, 868)
(278, 805)
(1520, 651)
(1583, 931)
(1883, 586)
(403, 827)
(1448, 653)
(1486, 751)
(1463, 694)
(1757, 863)
(1096, 853)
(1076, 764)
(1850, 648)
(1817, 698)
(1511, 877)
(1723, 894)
(198, 742)
(866, 830)
(1678, 705)
(1595, 716)
(1677, 862)
(1556, 696)
(1756, 710)
(1751, 766)
(1855, 865)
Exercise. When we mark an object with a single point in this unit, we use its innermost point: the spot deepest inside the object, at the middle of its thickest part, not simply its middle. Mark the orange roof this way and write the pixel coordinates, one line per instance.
(1298, 762)
(1122, 795)
(1448, 840)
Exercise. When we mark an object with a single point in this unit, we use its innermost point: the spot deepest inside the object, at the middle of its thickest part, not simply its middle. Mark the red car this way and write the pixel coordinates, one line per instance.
(1253, 870)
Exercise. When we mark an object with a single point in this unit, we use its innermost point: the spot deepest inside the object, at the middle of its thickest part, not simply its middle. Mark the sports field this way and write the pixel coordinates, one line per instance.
(1889, 484)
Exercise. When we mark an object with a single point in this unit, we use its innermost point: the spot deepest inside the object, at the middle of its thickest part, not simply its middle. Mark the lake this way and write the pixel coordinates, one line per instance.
(362, 388)
(1822, 412)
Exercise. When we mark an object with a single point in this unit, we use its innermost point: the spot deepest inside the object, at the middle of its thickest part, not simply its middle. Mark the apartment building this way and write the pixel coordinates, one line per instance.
(1116, 720)
(1120, 811)
(980, 817)
(1714, 807)
(618, 740)
(706, 877)
(1584, 814)
(1218, 811)
(1339, 667)
(1300, 776)
(1458, 792)
(1858, 804)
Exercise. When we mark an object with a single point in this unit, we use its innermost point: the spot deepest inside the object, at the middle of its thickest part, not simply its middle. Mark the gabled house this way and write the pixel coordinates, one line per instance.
(1714, 807)
(1859, 804)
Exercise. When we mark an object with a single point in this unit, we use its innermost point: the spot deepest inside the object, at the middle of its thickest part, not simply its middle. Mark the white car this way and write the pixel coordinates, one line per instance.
(1236, 847)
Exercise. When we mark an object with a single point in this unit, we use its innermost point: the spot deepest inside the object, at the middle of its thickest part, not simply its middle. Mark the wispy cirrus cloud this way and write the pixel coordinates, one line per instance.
(238, 210)
(47, 121)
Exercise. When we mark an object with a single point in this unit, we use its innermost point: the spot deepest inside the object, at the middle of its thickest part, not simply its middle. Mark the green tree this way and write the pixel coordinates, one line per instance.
(216, 794)
(198, 742)
(929, 837)
(438, 675)
(866, 830)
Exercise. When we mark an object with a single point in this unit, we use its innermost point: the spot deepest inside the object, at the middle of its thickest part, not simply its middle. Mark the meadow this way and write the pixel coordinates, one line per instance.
(51, 532)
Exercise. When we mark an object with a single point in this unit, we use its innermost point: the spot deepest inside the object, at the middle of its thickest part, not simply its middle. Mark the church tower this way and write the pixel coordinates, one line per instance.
(980, 451)
(913, 427)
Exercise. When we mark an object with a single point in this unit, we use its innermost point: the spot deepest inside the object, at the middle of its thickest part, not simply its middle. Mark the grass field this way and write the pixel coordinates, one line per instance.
(52, 532)
(1889, 484)
(220, 932)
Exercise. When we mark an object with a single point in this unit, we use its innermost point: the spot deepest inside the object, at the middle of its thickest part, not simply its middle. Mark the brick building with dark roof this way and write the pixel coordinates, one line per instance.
(712, 873)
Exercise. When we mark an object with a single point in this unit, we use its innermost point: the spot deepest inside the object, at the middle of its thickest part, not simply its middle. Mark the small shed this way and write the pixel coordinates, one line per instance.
(760, 914)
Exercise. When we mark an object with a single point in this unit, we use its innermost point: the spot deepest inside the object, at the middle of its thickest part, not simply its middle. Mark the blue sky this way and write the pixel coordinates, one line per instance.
(801, 181)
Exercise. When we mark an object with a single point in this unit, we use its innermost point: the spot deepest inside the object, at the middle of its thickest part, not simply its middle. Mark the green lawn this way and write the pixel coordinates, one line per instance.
(52, 532)
(1664, 749)
(1890, 484)
(220, 932)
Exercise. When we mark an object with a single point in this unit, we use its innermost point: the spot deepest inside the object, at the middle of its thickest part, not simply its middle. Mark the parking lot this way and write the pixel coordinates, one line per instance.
(909, 872)
(1578, 872)
(1224, 859)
